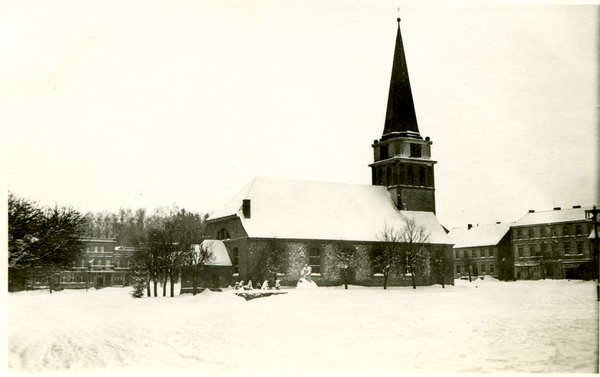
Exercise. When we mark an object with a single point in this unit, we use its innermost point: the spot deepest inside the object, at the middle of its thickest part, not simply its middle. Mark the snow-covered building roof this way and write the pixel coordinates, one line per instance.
(293, 209)
(485, 235)
(221, 257)
(554, 216)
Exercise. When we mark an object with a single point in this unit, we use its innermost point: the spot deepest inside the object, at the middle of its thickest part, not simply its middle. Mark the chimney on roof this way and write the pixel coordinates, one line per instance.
(531, 210)
(557, 208)
(246, 208)
(469, 226)
(578, 206)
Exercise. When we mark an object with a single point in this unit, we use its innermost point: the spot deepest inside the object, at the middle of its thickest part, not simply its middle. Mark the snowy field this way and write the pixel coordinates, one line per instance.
(484, 326)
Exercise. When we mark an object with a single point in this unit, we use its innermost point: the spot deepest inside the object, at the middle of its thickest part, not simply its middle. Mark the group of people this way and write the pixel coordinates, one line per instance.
(248, 287)
(305, 276)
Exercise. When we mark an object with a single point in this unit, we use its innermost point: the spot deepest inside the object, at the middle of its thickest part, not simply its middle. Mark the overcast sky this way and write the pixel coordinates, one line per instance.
(143, 104)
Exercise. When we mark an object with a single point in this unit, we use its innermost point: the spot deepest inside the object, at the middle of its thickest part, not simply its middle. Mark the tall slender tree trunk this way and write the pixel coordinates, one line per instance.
(148, 289)
(194, 286)
(164, 284)
(385, 277)
(412, 277)
(172, 278)
(155, 281)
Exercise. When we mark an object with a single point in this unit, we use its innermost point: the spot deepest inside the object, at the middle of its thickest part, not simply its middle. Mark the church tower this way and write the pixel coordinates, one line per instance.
(402, 158)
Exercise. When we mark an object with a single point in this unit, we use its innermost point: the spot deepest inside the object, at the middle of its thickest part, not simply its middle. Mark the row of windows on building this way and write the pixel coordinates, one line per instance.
(550, 251)
(475, 253)
(82, 278)
(108, 262)
(477, 269)
(405, 174)
(95, 249)
(552, 231)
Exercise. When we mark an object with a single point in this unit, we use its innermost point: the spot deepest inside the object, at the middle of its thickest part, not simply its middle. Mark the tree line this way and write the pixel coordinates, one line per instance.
(169, 244)
(43, 241)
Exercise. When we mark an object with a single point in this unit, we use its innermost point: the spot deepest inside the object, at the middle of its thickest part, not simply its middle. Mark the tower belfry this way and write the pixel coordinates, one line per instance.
(402, 158)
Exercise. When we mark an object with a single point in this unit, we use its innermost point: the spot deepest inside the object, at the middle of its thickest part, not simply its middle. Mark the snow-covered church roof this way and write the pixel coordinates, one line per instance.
(293, 209)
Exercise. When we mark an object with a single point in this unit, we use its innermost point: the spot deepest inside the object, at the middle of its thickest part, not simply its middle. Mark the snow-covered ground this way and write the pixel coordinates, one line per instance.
(484, 326)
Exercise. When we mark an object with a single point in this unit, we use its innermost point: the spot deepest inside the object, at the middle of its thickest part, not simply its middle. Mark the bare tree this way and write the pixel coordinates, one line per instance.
(146, 259)
(344, 255)
(167, 245)
(468, 263)
(442, 266)
(387, 256)
(405, 248)
(197, 257)
(414, 246)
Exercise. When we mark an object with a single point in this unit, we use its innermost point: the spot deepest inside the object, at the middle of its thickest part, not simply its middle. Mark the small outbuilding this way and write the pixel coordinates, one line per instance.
(214, 274)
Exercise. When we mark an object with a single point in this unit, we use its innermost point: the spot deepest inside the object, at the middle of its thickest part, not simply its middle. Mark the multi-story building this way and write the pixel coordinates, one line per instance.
(483, 250)
(102, 264)
(553, 244)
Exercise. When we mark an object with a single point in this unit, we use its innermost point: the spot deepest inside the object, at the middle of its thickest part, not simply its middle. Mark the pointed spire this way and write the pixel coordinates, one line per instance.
(400, 118)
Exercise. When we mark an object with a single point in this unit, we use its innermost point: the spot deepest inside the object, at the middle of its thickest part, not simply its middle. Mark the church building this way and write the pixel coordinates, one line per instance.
(308, 223)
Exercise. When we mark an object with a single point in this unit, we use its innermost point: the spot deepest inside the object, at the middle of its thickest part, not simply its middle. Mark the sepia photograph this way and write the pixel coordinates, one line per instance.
(300, 187)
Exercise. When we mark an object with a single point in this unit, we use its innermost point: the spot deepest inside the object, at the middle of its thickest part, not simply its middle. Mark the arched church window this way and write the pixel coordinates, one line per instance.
(236, 260)
(421, 177)
(379, 176)
(409, 174)
(314, 260)
(395, 181)
(223, 234)
(430, 176)
(401, 175)
(388, 177)
(376, 261)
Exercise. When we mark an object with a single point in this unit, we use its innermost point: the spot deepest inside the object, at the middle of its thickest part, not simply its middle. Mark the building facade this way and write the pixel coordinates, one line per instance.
(103, 264)
(553, 245)
(483, 251)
